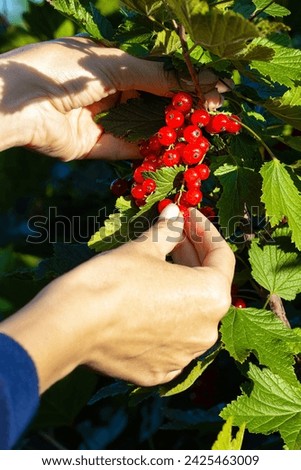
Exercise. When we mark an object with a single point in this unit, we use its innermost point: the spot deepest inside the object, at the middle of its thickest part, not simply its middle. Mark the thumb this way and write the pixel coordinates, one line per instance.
(165, 235)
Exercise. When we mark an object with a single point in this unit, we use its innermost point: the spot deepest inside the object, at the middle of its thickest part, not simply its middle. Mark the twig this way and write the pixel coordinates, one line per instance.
(192, 72)
(257, 12)
(277, 307)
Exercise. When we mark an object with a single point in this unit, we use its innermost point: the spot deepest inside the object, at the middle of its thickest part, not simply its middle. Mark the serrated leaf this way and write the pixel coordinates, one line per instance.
(117, 228)
(271, 405)
(146, 7)
(166, 43)
(189, 375)
(271, 8)
(193, 418)
(222, 33)
(281, 198)
(241, 187)
(284, 64)
(288, 107)
(277, 270)
(135, 120)
(166, 182)
(116, 388)
(90, 20)
(262, 333)
(225, 441)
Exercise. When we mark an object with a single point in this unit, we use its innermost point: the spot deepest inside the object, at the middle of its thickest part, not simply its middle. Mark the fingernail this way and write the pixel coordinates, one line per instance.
(170, 212)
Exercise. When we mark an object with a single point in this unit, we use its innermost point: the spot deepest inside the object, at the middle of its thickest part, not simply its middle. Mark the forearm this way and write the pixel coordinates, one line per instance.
(46, 335)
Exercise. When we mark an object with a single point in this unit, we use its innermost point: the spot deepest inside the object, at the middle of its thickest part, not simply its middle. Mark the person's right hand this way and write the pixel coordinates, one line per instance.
(130, 313)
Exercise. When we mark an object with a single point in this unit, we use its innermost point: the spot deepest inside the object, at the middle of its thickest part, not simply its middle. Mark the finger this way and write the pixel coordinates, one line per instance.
(165, 235)
(185, 254)
(109, 147)
(213, 100)
(213, 251)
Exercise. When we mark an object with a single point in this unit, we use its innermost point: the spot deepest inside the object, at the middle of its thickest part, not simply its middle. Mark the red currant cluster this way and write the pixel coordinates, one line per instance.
(182, 141)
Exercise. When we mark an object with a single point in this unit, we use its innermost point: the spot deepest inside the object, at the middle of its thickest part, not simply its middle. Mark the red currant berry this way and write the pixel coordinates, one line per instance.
(154, 144)
(217, 123)
(182, 101)
(174, 119)
(164, 203)
(144, 148)
(239, 303)
(233, 127)
(171, 157)
(208, 212)
(203, 143)
(203, 171)
(140, 202)
(149, 185)
(167, 136)
(138, 173)
(179, 147)
(200, 117)
(180, 199)
(151, 158)
(196, 184)
(190, 175)
(184, 210)
(192, 154)
(193, 196)
(168, 108)
(137, 191)
(192, 133)
(119, 187)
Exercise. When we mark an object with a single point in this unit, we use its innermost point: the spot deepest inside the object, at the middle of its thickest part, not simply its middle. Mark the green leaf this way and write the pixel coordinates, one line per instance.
(222, 33)
(61, 404)
(262, 333)
(114, 389)
(117, 228)
(196, 418)
(290, 141)
(271, 8)
(96, 25)
(167, 180)
(225, 441)
(187, 11)
(135, 120)
(241, 186)
(189, 375)
(167, 42)
(66, 256)
(281, 198)
(288, 107)
(145, 7)
(271, 405)
(283, 65)
(277, 270)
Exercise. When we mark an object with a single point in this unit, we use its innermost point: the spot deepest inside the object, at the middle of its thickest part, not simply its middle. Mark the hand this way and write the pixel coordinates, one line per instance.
(130, 313)
(51, 92)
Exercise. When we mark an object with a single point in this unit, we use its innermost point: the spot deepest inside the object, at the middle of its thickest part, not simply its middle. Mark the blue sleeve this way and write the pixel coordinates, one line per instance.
(19, 396)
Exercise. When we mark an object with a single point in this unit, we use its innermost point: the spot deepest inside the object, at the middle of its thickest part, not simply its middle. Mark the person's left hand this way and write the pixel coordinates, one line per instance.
(51, 92)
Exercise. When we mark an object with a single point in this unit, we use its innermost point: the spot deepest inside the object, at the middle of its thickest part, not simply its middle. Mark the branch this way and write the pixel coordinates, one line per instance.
(257, 12)
(277, 307)
(192, 72)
